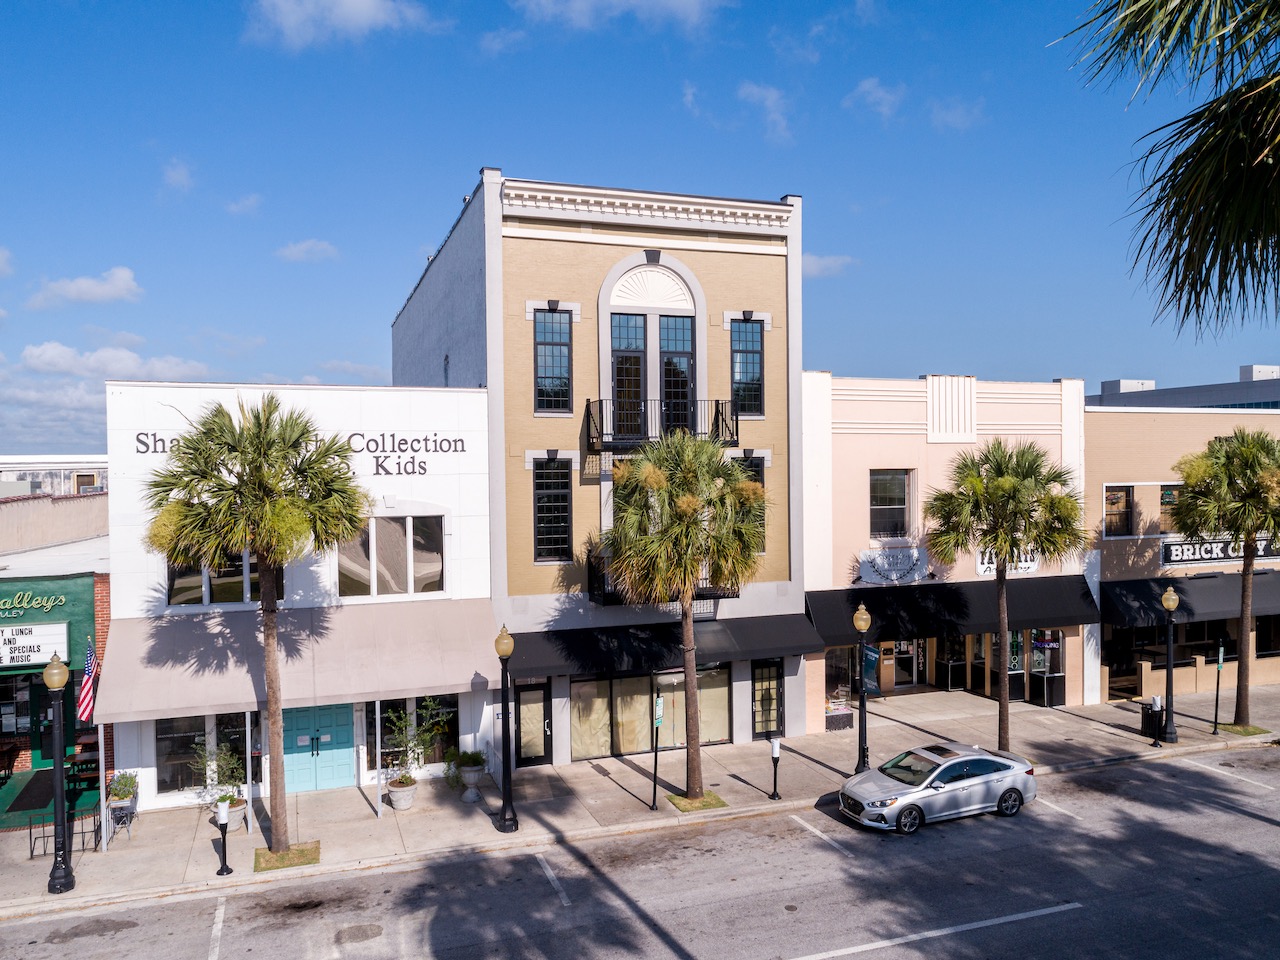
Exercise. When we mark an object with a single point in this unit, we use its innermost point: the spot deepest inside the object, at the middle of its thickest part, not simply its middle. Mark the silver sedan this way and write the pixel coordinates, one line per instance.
(938, 782)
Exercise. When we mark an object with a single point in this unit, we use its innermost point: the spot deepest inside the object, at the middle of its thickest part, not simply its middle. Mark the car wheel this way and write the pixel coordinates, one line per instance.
(910, 820)
(1010, 803)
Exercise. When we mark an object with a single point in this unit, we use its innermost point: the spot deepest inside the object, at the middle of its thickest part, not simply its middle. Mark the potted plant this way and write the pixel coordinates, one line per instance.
(122, 788)
(408, 744)
(465, 767)
(223, 771)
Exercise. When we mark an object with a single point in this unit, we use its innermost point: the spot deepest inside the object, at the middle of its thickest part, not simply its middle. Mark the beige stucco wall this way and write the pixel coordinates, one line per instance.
(1139, 447)
(542, 269)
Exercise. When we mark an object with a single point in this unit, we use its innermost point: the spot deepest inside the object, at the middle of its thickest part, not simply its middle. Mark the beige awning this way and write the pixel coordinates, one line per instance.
(182, 666)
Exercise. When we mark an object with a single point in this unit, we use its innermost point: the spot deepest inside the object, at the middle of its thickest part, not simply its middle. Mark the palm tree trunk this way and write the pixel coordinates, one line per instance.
(275, 711)
(692, 725)
(1002, 657)
(1246, 645)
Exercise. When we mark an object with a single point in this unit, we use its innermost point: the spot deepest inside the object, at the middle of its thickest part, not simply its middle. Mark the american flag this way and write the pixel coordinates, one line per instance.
(84, 706)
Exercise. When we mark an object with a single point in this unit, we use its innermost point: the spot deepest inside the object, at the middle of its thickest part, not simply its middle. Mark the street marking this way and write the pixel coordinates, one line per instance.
(825, 839)
(1227, 773)
(1054, 806)
(215, 940)
(929, 934)
(546, 868)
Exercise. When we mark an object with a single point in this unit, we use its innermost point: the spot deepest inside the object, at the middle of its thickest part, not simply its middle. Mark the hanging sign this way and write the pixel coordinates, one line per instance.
(870, 669)
(893, 565)
(32, 644)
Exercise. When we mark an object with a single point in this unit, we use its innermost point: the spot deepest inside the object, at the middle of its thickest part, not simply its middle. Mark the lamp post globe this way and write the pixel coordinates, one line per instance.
(504, 645)
(61, 877)
(1169, 600)
(862, 623)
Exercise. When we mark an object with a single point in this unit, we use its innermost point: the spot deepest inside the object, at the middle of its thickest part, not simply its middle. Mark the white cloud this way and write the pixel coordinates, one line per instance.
(690, 98)
(307, 251)
(814, 266)
(303, 23)
(957, 114)
(116, 338)
(107, 363)
(585, 14)
(867, 11)
(6, 262)
(3, 313)
(116, 284)
(499, 41)
(249, 203)
(774, 105)
(177, 176)
(879, 98)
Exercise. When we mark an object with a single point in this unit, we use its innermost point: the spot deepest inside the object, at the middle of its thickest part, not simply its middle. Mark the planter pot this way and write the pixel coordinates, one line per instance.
(401, 796)
(471, 779)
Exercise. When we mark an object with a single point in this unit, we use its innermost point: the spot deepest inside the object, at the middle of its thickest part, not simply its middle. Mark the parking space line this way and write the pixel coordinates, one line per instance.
(1227, 773)
(819, 833)
(1054, 806)
(215, 938)
(546, 868)
(945, 931)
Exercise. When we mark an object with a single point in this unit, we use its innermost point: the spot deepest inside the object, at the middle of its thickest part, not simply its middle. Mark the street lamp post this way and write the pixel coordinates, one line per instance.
(505, 645)
(1169, 600)
(775, 747)
(62, 878)
(862, 623)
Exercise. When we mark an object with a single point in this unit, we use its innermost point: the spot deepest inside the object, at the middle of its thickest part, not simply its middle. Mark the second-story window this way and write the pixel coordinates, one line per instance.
(235, 580)
(754, 466)
(552, 359)
(552, 528)
(747, 345)
(890, 498)
(1168, 500)
(393, 556)
(1118, 512)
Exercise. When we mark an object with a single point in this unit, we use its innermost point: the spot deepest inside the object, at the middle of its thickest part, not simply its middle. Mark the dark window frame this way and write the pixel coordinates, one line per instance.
(552, 542)
(1112, 525)
(543, 404)
(735, 351)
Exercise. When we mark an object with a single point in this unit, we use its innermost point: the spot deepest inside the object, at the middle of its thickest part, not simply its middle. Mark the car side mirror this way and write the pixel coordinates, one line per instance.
(937, 784)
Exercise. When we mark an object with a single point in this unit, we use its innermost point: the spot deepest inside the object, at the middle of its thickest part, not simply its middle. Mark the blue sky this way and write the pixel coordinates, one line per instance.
(249, 190)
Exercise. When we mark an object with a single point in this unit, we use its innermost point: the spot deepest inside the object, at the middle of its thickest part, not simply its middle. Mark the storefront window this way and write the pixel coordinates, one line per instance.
(841, 680)
(589, 719)
(15, 705)
(229, 731)
(1046, 651)
(176, 741)
(441, 712)
(632, 715)
(616, 716)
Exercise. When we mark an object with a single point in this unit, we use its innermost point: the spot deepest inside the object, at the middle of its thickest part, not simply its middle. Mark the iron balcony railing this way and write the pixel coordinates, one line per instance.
(626, 424)
(602, 592)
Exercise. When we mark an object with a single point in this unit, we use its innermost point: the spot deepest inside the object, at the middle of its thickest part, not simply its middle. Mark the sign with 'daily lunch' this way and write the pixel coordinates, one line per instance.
(33, 644)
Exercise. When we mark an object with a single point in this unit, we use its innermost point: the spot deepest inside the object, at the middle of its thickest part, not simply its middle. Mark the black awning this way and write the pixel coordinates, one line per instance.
(647, 648)
(907, 611)
(1211, 596)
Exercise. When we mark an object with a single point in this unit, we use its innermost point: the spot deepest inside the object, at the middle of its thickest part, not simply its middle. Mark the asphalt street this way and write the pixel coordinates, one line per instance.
(1170, 859)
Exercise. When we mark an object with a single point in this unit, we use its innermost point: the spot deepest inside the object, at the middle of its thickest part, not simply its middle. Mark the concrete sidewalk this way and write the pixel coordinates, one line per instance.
(176, 851)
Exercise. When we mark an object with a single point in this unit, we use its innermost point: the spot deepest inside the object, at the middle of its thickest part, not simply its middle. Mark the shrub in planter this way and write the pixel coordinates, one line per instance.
(410, 743)
(222, 770)
(465, 767)
(123, 786)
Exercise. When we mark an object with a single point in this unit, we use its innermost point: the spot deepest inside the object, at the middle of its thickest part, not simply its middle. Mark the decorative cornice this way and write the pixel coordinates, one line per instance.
(560, 201)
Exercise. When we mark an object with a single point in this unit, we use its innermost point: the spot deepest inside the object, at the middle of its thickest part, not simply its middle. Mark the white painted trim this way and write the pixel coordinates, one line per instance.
(531, 305)
(668, 243)
(765, 318)
(566, 454)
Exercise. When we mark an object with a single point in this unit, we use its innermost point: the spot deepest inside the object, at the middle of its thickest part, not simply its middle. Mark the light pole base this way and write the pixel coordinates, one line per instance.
(508, 824)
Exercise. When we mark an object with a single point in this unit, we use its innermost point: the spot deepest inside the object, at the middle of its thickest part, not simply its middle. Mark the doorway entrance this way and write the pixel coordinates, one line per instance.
(533, 724)
(319, 748)
(908, 663)
(766, 699)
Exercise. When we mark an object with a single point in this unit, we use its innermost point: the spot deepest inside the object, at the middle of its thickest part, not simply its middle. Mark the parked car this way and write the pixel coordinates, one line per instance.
(938, 782)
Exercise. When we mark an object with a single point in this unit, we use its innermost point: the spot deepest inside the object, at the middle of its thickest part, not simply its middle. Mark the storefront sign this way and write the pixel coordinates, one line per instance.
(33, 644)
(17, 605)
(1028, 563)
(1173, 552)
(893, 565)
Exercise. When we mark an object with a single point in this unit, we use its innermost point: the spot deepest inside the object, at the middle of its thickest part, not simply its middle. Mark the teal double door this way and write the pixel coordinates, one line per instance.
(319, 748)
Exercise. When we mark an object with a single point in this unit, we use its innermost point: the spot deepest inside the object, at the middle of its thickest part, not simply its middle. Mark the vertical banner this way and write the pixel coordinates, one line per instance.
(870, 669)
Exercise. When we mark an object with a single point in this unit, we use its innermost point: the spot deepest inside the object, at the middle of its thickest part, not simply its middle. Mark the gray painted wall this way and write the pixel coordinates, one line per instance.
(445, 314)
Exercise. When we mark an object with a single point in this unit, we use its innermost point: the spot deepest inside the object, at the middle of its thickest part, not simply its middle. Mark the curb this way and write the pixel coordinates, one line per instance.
(47, 905)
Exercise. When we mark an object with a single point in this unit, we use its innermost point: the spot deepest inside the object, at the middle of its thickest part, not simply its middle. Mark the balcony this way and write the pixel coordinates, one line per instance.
(602, 592)
(616, 425)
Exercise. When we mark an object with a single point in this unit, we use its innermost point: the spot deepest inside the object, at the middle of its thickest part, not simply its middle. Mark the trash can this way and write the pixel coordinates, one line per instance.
(1152, 719)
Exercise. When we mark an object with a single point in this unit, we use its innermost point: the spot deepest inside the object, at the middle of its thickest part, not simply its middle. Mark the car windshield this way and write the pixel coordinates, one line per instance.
(910, 768)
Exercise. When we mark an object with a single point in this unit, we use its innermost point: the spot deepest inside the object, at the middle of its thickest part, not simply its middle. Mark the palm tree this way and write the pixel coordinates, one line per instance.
(1209, 212)
(267, 483)
(1232, 487)
(1007, 502)
(683, 515)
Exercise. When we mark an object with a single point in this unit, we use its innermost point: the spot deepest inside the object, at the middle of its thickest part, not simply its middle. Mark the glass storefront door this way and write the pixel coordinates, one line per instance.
(533, 724)
(908, 663)
(766, 699)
